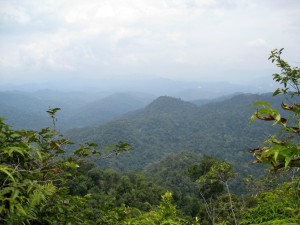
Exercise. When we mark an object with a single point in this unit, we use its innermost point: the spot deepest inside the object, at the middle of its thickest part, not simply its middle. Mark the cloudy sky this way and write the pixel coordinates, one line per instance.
(211, 40)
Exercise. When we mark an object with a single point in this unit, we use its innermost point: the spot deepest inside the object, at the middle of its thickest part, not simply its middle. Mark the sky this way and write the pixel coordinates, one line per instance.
(193, 40)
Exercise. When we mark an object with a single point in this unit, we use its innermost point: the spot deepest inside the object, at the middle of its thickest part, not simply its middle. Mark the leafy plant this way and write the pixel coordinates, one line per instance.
(277, 206)
(219, 172)
(166, 214)
(34, 171)
(281, 151)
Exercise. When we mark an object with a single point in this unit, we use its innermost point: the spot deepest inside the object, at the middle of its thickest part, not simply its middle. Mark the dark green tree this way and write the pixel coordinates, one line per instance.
(219, 172)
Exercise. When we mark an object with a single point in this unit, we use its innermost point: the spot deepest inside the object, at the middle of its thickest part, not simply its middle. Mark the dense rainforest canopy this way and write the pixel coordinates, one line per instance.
(44, 179)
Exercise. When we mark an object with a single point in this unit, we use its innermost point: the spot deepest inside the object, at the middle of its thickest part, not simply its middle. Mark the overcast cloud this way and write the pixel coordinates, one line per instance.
(178, 39)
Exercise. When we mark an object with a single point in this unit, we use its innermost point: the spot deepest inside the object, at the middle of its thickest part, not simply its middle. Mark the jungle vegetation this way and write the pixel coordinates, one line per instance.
(46, 179)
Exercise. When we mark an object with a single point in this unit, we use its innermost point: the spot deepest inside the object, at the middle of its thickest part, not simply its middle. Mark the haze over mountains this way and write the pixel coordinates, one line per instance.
(28, 110)
(104, 101)
(156, 119)
(186, 90)
(159, 122)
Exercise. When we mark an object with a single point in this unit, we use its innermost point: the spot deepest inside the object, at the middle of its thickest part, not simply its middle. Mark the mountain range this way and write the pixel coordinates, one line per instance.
(169, 125)
(154, 126)
(104, 102)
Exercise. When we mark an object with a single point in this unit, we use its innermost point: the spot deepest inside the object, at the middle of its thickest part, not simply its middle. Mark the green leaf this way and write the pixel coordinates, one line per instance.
(91, 144)
(276, 153)
(71, 165)
(276, 92)
(52, 111)
(261, 103)
(11, 150)
(253, 117)
(287, 161)
(6, 170)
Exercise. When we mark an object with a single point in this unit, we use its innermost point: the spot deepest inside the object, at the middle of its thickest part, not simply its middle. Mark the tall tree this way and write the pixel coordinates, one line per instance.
(219, 172)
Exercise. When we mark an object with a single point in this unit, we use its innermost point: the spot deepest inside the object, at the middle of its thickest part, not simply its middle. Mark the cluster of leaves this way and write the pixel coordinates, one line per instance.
(42, 183)
(279, 204)
(165, 213)
(275, 205)
(34, 170)
(119, 198)
(218, 204)
(110, 189)
(282, 150)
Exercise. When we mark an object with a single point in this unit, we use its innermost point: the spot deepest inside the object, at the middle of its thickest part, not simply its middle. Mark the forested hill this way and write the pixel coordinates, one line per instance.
(169, 125)
(105, 109)
(165, 104)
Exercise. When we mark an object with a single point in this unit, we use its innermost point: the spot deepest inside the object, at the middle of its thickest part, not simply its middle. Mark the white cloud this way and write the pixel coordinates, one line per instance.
(13, 14)
(258, 42)
(205, 2)
(218, 12)
(136, 36)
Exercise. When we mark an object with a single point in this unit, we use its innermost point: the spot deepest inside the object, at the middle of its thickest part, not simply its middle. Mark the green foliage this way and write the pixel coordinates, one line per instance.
(171, 173)
(52, 112)
(289, 76)
(276, 206)
(166, 207)
(110, 189)
(117, 215)
(282, 151)
(34, 171)
(170, 125)
(43, 181)
(218, 172)
(166, 214)
(279, 205)
(199, 172)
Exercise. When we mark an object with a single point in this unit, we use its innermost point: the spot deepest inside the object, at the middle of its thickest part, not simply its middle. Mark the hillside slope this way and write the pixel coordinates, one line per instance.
(169, 125)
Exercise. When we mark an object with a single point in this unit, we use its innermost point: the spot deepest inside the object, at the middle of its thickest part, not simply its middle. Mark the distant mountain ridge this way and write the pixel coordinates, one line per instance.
(187, 90)
(97, 106)
(154, 127)
(169, 124)
(108, 108)
(28, 110)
